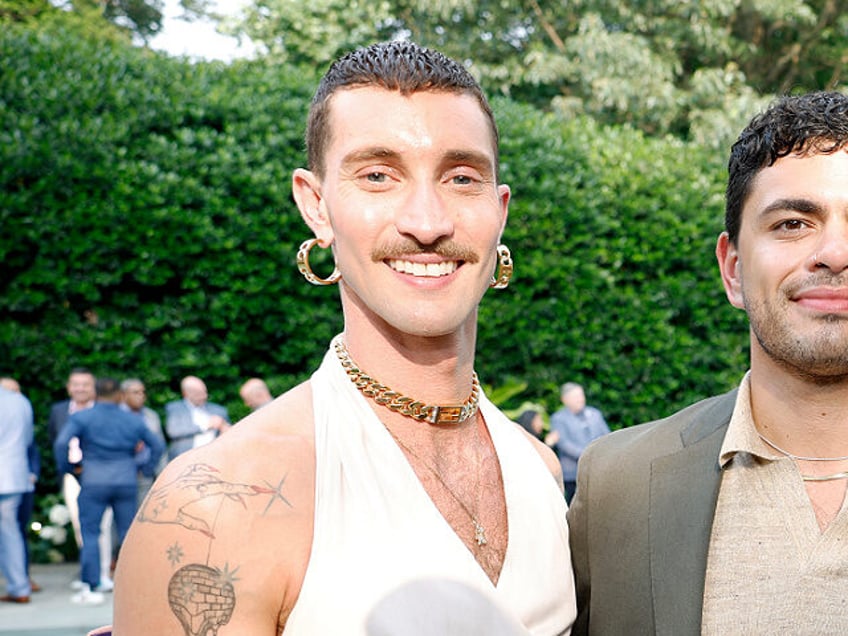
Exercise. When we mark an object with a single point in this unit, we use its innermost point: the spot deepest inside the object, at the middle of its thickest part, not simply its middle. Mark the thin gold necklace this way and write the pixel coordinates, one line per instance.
(479, 530)
(381, 394)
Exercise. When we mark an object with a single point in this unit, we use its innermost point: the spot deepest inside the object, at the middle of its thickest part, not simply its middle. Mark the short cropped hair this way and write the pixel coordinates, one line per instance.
(106, 387)
(815, 123)
(404, 67)
(129, 383)
(568, 387)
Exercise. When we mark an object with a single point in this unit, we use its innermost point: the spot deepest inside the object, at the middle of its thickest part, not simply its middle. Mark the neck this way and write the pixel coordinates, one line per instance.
(798, 414)
(434, 370)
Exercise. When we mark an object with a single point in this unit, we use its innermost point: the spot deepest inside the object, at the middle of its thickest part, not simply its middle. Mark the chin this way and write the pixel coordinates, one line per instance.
(427, 325)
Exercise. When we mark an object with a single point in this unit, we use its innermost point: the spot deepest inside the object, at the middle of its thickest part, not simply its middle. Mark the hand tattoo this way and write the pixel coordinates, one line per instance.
(169, 502)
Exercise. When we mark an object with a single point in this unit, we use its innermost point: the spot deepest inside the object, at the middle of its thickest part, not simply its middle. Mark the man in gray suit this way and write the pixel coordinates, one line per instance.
(729, 517)
(193, 421)
(16, 435)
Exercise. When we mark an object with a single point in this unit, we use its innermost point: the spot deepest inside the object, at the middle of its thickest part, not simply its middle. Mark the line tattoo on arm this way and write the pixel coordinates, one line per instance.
(202, 597)
(171, 502)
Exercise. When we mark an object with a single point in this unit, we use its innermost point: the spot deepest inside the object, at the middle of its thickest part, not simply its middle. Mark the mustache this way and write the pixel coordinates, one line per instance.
(819, 279)
(447, 249)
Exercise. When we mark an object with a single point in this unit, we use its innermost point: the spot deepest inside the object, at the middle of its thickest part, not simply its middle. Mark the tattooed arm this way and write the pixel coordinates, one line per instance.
(221, 543)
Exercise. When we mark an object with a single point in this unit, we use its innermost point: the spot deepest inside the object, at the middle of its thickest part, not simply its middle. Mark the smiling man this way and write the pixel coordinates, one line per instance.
(386, 495)
(729, 517)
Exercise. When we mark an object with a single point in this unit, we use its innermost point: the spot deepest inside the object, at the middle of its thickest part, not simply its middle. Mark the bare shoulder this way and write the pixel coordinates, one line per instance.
(548, 456)
(222, 540)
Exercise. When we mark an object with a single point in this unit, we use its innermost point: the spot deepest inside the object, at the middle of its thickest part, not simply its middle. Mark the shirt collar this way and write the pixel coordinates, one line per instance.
(74, 407)
(742, 436)
(192, 407)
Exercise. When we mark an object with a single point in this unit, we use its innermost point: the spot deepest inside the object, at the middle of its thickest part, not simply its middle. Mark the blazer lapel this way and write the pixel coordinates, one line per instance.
(683, 494)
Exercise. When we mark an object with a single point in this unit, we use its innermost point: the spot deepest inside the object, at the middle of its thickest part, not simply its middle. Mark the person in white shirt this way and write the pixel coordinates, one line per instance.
(387, 494)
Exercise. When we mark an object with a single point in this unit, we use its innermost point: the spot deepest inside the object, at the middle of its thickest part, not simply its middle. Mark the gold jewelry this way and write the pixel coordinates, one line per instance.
(306, 270)
(833, 477)
(381, 394)
(479, 530)
(800, 457)
(504, 273)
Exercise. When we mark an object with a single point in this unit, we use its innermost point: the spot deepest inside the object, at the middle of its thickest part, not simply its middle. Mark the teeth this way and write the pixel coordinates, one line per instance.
(432, 270)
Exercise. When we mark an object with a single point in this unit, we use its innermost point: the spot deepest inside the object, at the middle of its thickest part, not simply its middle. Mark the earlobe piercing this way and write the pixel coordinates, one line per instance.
(306, 270)
(504, 272)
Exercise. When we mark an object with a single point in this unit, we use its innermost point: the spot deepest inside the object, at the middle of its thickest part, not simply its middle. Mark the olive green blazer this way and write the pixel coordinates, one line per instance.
(640, 523)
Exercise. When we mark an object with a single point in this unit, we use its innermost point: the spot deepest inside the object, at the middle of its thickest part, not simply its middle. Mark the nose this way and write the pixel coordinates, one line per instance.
(424, 216)
(832, 249)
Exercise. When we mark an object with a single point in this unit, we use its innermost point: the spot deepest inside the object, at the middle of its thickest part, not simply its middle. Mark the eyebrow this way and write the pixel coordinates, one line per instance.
(369, 154)
(479, 160)
(796, 205)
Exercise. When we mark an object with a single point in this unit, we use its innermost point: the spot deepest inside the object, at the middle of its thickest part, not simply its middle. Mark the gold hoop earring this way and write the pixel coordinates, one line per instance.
(504, 273)
(306, 270)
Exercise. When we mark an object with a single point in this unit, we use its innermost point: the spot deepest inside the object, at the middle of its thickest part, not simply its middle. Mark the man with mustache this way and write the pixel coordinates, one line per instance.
(386, 494)
(729, 517)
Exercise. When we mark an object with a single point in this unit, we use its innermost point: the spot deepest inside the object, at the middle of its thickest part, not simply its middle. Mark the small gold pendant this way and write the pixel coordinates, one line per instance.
(479, 533)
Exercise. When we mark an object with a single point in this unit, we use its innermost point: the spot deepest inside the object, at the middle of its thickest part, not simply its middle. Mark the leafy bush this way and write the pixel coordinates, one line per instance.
(50, 535)
(616, 283)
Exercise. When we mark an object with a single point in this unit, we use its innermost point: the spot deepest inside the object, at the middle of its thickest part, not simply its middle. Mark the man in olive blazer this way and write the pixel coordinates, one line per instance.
(651, 492)
(729, 517)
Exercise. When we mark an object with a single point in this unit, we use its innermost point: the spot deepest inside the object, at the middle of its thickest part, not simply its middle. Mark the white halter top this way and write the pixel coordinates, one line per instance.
(384, 560)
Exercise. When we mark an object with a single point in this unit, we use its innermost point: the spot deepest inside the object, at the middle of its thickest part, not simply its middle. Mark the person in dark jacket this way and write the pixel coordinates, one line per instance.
(108, 437)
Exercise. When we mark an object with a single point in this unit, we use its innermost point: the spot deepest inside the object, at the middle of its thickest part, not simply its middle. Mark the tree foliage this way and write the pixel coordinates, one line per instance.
(694, 69)
(127, 18)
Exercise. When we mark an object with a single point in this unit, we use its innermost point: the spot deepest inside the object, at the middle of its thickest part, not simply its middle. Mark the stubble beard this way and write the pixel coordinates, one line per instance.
(819, 354)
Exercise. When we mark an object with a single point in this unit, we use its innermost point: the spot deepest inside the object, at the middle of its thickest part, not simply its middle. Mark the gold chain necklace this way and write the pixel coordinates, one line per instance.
(381, 394)
(479, 530)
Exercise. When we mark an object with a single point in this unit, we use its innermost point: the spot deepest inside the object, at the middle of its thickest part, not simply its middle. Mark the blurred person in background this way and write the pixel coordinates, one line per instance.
(16, 437)
(575, 425)
(255, 394)
(81, 396)
(109, 437)
(532, 420)
(193, 421)
(134, 398)
(28, 498)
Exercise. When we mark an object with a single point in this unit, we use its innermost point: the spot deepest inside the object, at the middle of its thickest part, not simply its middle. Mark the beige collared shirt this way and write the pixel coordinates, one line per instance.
(770, 569)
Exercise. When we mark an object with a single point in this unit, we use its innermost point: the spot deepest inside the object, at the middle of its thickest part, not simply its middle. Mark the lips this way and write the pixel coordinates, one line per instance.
(430, 270)
(824, 299)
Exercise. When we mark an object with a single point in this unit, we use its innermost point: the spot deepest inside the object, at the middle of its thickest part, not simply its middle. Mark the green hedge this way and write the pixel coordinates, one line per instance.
(617, 285)
(147, 229)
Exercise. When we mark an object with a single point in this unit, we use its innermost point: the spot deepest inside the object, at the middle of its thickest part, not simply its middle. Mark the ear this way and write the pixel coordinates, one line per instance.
(728, 262)
(306, 189)
(503, 200)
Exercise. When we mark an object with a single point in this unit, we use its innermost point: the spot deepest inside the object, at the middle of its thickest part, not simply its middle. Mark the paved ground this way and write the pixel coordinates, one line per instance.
(51, 612)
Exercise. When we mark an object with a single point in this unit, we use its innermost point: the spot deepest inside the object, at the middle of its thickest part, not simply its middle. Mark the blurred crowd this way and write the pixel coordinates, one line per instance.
(108, 447)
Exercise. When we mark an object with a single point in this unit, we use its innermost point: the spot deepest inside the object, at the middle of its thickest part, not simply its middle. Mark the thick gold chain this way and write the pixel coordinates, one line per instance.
(383, 395)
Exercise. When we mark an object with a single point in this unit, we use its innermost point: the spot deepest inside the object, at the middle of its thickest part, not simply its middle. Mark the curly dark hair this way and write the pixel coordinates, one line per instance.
(811, 123)
(404, 67)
